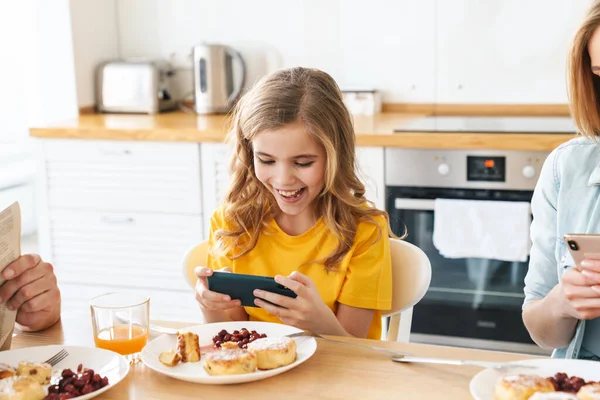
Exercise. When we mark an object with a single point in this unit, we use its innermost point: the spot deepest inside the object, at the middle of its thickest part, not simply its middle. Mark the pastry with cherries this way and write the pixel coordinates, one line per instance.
(521, 387)
(591, 391)
(40, 372)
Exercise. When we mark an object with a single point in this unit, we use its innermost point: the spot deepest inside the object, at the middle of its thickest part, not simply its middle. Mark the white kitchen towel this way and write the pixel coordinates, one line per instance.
(482, 229)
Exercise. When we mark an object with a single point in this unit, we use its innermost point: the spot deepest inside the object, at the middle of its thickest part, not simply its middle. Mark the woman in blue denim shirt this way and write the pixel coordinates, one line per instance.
(562, 300)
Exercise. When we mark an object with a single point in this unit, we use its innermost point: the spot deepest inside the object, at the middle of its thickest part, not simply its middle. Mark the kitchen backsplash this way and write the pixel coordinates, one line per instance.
(445, 51)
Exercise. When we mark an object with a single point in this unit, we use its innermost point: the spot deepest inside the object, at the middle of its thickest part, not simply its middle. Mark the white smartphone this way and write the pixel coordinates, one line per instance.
(582, 246)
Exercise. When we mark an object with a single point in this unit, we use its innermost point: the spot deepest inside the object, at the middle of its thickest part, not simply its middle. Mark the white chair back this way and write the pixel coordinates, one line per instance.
(411, 276)
(195, 256)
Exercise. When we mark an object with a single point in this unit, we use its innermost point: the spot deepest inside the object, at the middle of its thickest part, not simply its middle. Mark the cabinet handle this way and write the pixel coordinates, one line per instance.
(117, 220)
(120, 152)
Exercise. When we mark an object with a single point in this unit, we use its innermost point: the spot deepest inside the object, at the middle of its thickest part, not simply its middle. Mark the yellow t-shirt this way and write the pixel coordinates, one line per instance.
(363, 279)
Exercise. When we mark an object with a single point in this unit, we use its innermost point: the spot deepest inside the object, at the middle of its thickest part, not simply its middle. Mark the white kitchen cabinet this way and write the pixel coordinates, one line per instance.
(143, 248)
(127, 176)
(216, 159)
(371, 163)
(382, 44)
(120, 216)
(504, 51)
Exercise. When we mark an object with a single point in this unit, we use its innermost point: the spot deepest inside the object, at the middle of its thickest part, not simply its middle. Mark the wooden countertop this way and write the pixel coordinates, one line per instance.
(377, 130)
(334, 371)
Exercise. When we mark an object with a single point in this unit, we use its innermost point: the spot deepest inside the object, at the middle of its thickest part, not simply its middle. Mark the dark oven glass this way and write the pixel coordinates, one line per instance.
(468, 297)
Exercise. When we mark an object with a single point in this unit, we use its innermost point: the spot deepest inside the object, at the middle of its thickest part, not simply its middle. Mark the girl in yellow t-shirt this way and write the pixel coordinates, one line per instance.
(296, 210)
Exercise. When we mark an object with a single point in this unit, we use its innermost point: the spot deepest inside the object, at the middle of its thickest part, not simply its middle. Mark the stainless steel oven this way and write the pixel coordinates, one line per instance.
(471, 302)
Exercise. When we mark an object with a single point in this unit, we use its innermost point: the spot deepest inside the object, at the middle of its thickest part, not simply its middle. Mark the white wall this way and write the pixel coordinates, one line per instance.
(50, 72)
(505, 51)
(37, 66)
(38, 88)
(362, 44)
(14, 22)
(448, 51)
(95, 40)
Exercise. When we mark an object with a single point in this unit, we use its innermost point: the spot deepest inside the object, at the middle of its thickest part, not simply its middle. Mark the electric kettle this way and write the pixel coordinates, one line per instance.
(219, 74)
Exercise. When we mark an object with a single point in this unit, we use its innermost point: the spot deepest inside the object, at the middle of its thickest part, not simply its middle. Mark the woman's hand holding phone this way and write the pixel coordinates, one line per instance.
(591, 270)
(209, 300)
(580, 288)
(580, 285)
(306, 311)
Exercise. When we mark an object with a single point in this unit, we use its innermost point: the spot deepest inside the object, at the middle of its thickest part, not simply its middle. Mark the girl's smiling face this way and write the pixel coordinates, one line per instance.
(291, 164)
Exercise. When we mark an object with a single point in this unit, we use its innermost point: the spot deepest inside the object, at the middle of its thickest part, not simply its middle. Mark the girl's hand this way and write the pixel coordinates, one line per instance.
(307, 311)
(210, 300)
(580, 288)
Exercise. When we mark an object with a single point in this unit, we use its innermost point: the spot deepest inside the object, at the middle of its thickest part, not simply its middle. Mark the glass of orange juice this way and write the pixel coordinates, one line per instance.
(120, 322)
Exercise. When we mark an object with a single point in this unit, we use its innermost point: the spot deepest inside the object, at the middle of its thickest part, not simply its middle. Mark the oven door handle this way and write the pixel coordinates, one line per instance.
(413, 204)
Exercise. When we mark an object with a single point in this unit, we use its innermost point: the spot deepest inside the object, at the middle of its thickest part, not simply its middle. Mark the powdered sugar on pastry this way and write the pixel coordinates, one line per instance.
(521, 387)
(273, 352)
(230, 362)
(270, 343)
(591, 391)
(228, 354)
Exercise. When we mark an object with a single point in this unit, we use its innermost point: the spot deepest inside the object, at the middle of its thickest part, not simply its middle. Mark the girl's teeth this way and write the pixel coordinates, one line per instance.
(288, 193)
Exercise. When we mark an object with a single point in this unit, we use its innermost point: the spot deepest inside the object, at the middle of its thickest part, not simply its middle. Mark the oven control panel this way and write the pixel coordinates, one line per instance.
(476, 169)
(486, 169)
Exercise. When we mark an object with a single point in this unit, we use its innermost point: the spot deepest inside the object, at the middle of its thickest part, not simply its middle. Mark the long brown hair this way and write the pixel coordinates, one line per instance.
(584, 86)
(312, 97)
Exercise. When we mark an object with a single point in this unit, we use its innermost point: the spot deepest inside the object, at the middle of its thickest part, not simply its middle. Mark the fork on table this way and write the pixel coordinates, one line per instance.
(499, 366)
(364, 346)
(58, 357)
(406, 358)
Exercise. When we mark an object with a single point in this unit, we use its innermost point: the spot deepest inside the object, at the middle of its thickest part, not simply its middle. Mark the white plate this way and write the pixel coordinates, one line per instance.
(194, 372)
(103, 362)
(484, 383)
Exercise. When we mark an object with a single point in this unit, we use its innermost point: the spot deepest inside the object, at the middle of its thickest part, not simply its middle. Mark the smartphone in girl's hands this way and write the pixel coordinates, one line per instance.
(241, 286)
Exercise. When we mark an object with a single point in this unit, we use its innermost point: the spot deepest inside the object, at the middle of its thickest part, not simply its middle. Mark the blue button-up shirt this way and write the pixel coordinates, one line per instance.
(566, 200)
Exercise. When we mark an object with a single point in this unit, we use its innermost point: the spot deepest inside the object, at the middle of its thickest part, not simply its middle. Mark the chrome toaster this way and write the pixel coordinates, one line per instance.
(140, 86)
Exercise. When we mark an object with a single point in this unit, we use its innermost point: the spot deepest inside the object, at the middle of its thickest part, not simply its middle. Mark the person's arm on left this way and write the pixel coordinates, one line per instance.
(31, 289)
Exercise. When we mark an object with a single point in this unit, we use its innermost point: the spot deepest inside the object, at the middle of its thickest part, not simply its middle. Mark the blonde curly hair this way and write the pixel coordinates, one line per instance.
(287, 96)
